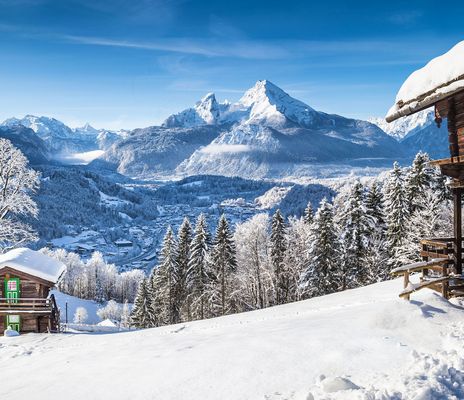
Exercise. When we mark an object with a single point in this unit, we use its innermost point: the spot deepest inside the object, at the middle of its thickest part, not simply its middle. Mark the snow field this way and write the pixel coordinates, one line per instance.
(360, 344)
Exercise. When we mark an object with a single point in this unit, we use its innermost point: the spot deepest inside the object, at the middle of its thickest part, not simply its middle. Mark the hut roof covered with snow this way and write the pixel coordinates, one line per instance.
(441, 78)
(33, 263)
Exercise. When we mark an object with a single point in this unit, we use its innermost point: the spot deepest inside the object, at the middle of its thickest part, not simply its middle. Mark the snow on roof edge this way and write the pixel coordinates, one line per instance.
(440, 78)
(33, 263)
(396, 112)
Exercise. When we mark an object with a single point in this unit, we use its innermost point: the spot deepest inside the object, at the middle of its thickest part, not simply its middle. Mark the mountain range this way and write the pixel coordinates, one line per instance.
(418, 132)
(60, 139)
(266, 133)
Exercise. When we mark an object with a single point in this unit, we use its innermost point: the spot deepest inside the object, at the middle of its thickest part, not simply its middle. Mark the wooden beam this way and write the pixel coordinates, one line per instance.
(441, 243)
(405, 284)
(425, 284)
(447, 161)
(444, 287)
(457, 201)
(419, 266)
(452, 133)
(433, 254)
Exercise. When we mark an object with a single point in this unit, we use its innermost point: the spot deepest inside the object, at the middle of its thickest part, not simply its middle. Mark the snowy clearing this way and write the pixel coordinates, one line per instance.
(360, 344)
(73, 303)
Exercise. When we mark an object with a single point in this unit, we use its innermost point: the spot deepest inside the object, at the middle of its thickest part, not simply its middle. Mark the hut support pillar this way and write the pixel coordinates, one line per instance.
(452, 132)
(457, 200)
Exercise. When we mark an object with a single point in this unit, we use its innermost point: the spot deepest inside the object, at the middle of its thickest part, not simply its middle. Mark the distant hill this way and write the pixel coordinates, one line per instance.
(25, 139)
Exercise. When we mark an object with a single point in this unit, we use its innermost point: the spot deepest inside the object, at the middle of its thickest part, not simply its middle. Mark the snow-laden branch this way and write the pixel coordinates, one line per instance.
(17, 183)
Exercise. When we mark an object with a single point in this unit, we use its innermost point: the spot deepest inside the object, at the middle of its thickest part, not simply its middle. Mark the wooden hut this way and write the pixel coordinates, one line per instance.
(439, 84)
(26, 304)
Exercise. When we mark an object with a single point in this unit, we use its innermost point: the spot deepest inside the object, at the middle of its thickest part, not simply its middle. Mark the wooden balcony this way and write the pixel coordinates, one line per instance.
(36, 306)
(452, 167)
(437, 268)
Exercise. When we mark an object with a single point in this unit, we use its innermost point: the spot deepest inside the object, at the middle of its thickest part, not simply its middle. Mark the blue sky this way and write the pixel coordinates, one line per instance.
(131, 63)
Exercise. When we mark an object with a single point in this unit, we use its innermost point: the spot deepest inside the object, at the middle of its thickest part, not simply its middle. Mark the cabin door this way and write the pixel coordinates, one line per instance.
(14, 322)
(12, 290)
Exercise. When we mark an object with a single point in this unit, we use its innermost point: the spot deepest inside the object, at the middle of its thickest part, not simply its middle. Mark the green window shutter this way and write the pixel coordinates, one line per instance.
(12, 289)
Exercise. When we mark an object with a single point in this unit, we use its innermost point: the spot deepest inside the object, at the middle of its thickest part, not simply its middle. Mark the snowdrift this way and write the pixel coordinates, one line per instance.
(360, 344)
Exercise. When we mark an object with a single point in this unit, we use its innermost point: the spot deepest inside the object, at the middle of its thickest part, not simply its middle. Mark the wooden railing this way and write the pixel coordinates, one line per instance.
(437, 268)
(437, 248)
(38, 306)
(25, 304)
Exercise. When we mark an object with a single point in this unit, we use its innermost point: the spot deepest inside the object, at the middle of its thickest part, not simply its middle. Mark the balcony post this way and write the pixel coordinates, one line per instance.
(457, 200)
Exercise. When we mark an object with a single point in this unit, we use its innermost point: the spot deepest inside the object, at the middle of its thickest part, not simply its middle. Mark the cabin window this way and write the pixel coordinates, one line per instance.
(12, 288)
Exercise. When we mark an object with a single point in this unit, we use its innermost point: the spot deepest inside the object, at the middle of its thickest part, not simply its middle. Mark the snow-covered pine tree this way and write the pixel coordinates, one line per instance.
(143, 314)
(184, 241)
(224, 263)
(376, 255)
(254, 271)
(355, 225)
(80, 315)
(278, 249)
(376, 259)
(94, 268)
(418, 180)
(375, 208)
(308, 216)
(199, 268)
(396, 211)
(431, 219)
(163, 280)
(125, 315)
(299, 238)
(321, 275)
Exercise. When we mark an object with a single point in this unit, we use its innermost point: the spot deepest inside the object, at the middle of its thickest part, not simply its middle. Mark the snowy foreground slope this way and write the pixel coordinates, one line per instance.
(366, 342)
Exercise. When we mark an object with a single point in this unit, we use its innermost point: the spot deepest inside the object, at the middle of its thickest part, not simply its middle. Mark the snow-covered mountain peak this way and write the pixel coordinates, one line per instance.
(208, 109)
(209, 97)
(270, 104)
(260, 92)
(87, 130)
(405, 126)
(206, 112)
(265, 103)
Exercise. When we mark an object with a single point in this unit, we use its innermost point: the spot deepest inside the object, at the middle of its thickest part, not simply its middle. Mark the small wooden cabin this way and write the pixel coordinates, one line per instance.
(439, 84)
(26, 304)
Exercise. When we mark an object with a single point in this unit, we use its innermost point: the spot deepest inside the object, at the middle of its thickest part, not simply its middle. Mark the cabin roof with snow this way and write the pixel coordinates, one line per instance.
(441, 78)
(33, 263)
